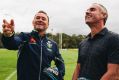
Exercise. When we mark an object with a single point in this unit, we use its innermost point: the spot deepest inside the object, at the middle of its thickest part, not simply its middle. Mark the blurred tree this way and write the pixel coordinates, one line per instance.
(68, 41)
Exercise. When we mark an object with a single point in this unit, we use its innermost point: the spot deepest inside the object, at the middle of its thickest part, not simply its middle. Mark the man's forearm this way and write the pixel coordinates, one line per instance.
(111, 75)
(76, 72)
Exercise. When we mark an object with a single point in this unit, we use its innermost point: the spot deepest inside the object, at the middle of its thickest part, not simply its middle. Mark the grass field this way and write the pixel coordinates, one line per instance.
(8, 61)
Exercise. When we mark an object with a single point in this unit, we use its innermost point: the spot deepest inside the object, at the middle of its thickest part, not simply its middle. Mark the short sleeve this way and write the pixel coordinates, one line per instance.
(113, 55)
(78, 60)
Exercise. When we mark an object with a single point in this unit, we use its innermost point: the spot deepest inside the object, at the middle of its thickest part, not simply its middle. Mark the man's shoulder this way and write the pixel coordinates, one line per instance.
(113, 35)
(83, 41)
(24, 35)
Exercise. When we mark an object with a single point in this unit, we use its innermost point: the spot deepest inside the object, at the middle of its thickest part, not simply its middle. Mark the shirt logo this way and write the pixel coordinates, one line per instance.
(49, 46)
(32, 40)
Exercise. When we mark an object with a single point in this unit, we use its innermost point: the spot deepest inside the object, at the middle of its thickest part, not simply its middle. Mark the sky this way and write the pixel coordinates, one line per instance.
(66, 16)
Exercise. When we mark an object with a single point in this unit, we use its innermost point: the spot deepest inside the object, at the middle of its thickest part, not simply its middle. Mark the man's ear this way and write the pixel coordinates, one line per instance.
(104, 15)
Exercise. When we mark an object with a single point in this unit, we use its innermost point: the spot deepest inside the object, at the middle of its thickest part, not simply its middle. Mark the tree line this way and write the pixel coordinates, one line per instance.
(63, 40)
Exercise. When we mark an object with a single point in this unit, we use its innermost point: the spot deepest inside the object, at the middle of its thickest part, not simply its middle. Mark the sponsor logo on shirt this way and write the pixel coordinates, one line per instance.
(49, 46)
(32, 40)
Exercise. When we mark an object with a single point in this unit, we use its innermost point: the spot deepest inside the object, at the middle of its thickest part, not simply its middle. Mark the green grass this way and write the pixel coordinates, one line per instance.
(8, 61)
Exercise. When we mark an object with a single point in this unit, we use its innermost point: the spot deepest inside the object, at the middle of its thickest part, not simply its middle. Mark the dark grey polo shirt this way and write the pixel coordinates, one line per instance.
(95, 53)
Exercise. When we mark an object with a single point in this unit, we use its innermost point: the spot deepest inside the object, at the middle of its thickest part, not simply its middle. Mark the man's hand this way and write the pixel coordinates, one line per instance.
(8, 28)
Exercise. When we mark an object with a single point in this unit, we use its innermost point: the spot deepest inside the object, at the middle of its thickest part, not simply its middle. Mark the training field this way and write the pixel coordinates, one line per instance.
(8, 61)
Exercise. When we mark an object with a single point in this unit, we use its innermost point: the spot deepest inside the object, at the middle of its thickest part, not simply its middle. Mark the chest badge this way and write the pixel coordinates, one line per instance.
(32, 40)
(49, 46)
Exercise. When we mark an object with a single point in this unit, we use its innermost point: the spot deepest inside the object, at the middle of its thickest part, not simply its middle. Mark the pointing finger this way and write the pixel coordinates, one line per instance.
(12, 22)
(5, 21)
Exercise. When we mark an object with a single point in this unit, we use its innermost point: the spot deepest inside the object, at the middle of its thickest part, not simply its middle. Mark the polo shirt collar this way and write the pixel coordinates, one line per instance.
(101, 33)
(35, 34)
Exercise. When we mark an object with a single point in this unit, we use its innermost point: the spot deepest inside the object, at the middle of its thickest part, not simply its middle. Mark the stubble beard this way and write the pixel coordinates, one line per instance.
(39, 29)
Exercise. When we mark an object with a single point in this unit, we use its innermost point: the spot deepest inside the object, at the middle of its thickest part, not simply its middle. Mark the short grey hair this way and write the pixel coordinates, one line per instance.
(104, 11)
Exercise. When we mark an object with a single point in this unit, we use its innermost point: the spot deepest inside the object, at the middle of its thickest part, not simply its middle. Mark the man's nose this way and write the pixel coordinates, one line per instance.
(87, 12)
(40, 19)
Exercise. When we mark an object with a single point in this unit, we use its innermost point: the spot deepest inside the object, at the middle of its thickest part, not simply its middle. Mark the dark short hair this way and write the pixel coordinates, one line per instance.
(41, 11)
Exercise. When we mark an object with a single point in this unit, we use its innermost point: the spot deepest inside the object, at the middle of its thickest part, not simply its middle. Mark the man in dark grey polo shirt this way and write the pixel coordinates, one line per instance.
(98, 57)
